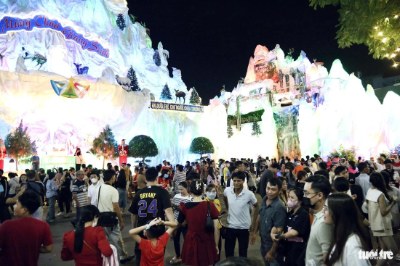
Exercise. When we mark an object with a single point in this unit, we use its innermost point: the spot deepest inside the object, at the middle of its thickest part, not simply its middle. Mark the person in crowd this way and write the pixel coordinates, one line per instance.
(22, 239)
(65, 183)
(163, 179)
(301, 179)
(86, 243)
(239, 202)
(394, 192)
(148, 203)
(297, 230)
(51, 195)
(78, 159)
(123, 150)
(350, 234)
(13, 182)
(181, 197)
(200, 245)
(322, 170)
(283, 196)
(363, 178)
(35, 160)
(316, 190)
(4, 191)
(211, 178)
(3, 153)
(120, 185)
(378, 204)
(179, 177)
(153, 246)
(394, 175)
(226, 173)
(270, 222)
(37, 187)
(141, 180)
(266, 175)
(355, 191)
(79, 193)
(93, 189)
(107, 202)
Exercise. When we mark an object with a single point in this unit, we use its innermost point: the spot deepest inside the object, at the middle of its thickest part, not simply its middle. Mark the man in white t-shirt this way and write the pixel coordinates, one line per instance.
(108, 202)
(93, 189)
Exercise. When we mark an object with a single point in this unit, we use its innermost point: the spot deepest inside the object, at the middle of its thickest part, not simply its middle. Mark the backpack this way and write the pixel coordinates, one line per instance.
(36, 187)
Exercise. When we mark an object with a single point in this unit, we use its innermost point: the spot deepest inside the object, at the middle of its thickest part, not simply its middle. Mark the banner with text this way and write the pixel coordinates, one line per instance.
(176, 107)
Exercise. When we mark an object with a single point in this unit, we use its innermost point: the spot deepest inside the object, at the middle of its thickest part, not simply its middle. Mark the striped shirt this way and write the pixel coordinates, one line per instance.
(178, 178)
(80, 190)
(176, 201)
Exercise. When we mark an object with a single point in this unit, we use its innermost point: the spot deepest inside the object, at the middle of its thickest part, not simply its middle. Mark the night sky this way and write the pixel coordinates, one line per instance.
(211, 41)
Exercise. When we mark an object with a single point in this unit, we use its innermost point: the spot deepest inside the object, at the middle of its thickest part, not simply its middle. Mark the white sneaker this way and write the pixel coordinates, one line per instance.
(59, 214)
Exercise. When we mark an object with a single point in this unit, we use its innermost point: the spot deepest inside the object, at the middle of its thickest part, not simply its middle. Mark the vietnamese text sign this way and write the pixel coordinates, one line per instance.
(176, 107)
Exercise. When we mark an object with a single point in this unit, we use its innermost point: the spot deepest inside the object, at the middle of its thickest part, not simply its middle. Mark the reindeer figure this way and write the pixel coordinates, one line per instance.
(180, 94)
(39, 59)
(81, 70)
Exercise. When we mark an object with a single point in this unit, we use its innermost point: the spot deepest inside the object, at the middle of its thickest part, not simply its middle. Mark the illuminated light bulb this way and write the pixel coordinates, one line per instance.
(392, 55)
(376, 27)
(398, 49)
(384, 40)
(386, 55)
(395, 65)
(380, 33)
(396, 17)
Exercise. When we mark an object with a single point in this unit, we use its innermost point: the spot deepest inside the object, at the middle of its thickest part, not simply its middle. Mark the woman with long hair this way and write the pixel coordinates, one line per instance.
(350, 234)
(378, 204)
(199, 247)
(87, 243)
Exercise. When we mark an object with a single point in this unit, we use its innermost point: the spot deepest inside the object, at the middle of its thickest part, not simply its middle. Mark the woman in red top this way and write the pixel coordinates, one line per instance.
(199, 247)
(86, 243)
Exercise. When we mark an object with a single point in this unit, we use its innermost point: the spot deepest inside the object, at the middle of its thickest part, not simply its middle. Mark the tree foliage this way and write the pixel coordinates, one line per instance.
(166, 93)
(121, 22)
(201, 145)
(194, 97)
(374, 23)
(256, 130)
(105, 144)
(142, 146)
(18, 143)
(132, 76)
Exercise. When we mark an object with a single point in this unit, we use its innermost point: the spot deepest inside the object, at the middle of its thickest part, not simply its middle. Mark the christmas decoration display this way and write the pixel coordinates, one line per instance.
(156, 58)
(69, 89)
(195, 98)
(142, 146)
(166, 93)
(256, 129)
(134, 86)
(121, 22)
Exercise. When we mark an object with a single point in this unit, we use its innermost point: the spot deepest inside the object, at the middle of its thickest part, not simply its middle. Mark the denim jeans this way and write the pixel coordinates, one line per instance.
(51, 210)
(114, 236)
(122, 202)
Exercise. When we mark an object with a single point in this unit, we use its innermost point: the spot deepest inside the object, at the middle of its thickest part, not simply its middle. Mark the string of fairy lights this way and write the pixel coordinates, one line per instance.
(386, 36)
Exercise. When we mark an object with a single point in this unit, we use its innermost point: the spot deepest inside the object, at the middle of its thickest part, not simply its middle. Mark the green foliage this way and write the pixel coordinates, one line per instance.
(142, 146)
(194, 97)
(230, 131)
(132, 18)
(256, 129)
(105, 144)
(374, 23)
(201, 145)
(246, 118)
(18, 143)
(349, 154)
(166, 93)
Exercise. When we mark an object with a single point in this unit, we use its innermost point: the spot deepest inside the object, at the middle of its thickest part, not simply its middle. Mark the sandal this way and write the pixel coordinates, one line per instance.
(174, 260)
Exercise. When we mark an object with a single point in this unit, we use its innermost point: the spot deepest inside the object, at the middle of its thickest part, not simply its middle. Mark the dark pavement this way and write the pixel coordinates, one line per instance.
(63, 225)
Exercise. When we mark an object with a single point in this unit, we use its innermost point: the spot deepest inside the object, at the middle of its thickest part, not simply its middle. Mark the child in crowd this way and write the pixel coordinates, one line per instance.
(153, 247)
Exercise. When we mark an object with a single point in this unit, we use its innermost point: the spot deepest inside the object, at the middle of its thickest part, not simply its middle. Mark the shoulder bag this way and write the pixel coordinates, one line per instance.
(106, 219)
(209, 221)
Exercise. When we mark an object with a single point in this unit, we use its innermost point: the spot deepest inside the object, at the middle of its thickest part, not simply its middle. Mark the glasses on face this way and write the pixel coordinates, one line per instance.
(306, 193)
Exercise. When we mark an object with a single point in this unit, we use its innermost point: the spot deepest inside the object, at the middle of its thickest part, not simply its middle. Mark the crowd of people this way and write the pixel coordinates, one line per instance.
(304, 211)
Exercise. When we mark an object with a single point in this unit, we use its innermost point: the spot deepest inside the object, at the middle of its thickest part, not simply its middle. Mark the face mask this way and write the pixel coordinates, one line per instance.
(211, 195)
(166, 176)
(307, 203)
(292, 203)
(93, 180)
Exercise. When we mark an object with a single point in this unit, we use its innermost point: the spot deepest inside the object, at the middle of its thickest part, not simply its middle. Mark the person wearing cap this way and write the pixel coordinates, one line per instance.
(123, 152)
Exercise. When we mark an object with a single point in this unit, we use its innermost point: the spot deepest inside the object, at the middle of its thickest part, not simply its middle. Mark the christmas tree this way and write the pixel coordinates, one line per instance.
(156, 58)
(132, 76)
(229, 131)
(166, 94)
(194, 98)
(121, 22)
(256, 129)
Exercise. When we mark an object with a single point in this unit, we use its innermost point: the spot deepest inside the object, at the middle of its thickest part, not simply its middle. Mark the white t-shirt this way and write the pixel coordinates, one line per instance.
(350, 253)
(108, 196)
(93, 192)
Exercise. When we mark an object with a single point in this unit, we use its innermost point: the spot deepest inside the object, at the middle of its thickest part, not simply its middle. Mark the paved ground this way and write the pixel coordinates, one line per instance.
(63, 225)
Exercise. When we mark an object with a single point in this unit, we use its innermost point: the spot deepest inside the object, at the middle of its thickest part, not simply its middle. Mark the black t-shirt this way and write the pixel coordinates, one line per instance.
(299, 221)
(149, 203)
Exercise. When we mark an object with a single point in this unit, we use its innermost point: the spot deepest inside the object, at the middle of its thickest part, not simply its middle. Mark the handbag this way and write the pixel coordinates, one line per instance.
(106, 219)
(209, 221)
